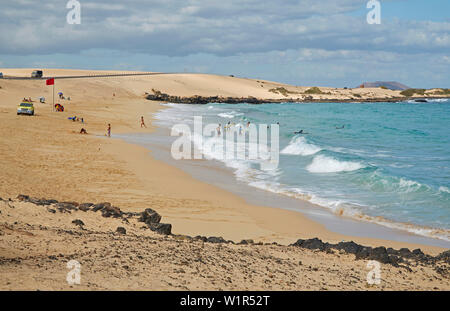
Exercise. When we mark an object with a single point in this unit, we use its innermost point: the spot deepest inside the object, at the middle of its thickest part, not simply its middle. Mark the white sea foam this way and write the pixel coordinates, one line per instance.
(324, 164)
(244, 171)
(229, 115)
(439, 100)
(444, 189)
(299, 146)
(407, 186)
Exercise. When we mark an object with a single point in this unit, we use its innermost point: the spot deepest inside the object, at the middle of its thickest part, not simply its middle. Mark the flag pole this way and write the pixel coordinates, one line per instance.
(53, 109)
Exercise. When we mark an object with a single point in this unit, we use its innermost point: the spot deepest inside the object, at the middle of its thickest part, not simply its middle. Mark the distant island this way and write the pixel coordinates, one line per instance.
(391, 85)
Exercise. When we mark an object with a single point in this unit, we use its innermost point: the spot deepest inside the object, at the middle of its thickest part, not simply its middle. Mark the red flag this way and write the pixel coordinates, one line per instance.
(50, 81)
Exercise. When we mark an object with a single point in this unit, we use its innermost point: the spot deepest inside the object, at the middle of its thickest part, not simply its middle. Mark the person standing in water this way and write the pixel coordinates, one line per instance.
(142, 122)
(109, 130)
(218, 129)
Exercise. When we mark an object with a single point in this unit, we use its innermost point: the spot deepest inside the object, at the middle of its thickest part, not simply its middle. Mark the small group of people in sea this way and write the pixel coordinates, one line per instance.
(229, 126)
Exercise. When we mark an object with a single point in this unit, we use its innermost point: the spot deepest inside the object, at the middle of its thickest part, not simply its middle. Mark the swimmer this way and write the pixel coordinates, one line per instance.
(300, 132)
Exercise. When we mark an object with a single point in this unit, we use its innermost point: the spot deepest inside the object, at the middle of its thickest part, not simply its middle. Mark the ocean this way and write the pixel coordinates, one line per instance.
(385, 163)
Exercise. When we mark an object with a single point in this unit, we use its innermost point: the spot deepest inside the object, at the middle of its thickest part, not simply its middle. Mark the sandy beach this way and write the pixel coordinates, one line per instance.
(45, 156)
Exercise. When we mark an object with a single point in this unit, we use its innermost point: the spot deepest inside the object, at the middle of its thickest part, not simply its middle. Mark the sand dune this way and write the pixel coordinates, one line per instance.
(188, 84)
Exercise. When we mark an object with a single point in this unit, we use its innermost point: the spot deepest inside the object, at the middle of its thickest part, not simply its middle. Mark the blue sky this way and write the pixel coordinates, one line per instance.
(302, 42)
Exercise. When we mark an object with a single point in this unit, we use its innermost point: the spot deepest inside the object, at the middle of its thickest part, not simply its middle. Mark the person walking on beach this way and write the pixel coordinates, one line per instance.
(142, 122)
(109, 130)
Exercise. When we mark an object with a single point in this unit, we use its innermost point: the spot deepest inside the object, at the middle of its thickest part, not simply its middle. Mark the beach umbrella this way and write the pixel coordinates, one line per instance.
(60, 93)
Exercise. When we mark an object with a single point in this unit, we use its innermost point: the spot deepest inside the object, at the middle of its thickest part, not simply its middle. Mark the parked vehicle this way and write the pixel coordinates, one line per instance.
(25, 108)
(37, 74)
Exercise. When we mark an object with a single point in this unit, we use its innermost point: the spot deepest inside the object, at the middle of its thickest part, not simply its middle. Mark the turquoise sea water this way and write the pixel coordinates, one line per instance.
(389, 164)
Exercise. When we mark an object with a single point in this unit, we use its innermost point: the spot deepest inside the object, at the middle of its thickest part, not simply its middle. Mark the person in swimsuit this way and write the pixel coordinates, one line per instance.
(142, 122)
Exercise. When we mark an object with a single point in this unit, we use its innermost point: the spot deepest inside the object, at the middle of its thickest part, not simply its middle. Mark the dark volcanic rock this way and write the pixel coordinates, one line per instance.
(111, 211)
(36, 201)
(418, 252)
(201, 238)
(381, 254)
(85, 206)
(65, 207)
(314, 243)
(78, 222)
(42, 201)
(99, 206)
(214, 239)
(71, 203)
(160, 228)
(150, 216)
(349, 247)
(445, 256)
(245, 242)
(121, 230)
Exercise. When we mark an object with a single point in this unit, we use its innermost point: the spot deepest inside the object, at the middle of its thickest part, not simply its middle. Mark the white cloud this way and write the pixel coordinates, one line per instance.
(179, 27)
(289, 41)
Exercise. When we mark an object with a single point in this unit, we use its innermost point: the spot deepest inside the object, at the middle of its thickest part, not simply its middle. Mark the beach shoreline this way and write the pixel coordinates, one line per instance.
(218, 175)
(224, 214)
(45, 156)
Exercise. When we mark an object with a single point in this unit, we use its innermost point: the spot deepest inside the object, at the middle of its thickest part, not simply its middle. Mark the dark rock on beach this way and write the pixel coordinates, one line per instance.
(381, 254)
(78, 222)
(245, 242)
(66, 207)
(214, 239)
(149, 216)
(160, 228)
(121, 230)
(201, 238)
(99, 206)
(314, 243)
(85, 206)
(36, 201)
(111, 211)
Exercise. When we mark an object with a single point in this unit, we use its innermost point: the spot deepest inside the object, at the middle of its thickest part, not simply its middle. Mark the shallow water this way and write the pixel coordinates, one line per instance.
(390, 163)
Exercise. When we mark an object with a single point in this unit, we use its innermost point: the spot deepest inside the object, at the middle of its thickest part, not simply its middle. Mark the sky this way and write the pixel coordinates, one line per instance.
(301, 42)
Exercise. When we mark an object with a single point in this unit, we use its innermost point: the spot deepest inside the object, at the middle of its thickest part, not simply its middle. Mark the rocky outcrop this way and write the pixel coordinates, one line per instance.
(160, 228)
(196, 99)
(152, 219)
(85, 206)
(149, 216)
(36, 201)
(66, 207)
(208, 99)
(381, 254)
(99, 206)
(402, 257)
